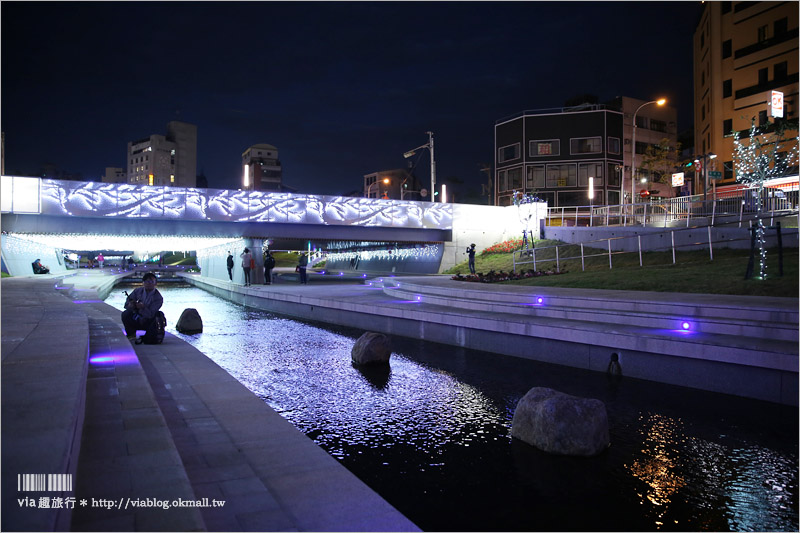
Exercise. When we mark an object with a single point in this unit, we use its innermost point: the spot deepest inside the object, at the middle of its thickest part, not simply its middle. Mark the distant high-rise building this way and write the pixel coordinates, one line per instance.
(165, 160)
(261, 169)
(742, 52)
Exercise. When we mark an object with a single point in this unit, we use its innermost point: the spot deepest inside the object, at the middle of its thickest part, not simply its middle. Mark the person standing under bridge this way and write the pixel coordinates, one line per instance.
(269, 264)
(230, 265)
(247, 259)
(302, 264)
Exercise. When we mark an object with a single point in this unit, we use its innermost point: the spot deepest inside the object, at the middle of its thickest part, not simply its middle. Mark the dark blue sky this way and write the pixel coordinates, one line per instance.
(341, 88)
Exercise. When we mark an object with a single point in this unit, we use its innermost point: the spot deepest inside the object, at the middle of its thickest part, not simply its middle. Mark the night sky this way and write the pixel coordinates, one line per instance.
(342, 89)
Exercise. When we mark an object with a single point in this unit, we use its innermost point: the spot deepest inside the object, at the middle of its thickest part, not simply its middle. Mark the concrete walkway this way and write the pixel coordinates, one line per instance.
(141, 425)
(157, 438)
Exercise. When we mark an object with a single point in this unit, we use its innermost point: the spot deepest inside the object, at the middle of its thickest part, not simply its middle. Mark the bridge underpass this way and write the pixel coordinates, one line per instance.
(42, 218)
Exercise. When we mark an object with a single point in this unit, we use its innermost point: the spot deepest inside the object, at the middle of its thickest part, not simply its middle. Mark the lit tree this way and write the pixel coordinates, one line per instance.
(660, 160)
(526, 208)
(763, 157)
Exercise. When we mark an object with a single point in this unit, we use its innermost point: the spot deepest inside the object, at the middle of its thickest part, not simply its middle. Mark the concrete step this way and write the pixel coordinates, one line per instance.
(717, 318)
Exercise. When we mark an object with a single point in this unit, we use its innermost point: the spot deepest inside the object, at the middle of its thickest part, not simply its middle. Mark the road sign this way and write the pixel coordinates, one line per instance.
(715, 175)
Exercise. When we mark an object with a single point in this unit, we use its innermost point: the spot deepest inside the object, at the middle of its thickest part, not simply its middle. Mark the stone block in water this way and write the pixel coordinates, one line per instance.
(561, 424)
(190, 322)
(371, 348)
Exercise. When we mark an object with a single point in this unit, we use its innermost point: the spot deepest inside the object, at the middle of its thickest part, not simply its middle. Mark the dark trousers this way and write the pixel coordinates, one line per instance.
(267, 276)
(230, 273)
(246, 275)
(303, 278)
(472, 264)
(132, 322)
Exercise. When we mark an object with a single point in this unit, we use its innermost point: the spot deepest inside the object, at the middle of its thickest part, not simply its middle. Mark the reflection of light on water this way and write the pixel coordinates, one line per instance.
(657, 467)
(419, 433)
(760, 489)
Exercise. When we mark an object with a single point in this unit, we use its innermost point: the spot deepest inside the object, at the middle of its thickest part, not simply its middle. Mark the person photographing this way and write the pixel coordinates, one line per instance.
(141, 306)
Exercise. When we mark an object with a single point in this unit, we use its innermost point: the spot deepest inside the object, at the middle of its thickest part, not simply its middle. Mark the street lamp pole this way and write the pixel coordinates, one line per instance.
(433, 166)
(429, 146)
(661, 101)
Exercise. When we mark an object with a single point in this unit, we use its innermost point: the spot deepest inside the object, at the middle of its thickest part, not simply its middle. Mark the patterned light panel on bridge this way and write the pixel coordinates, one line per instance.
(90, 199)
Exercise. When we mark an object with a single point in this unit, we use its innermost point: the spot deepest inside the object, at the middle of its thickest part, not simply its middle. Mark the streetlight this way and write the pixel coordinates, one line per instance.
(660, 102)
(386, 181)
(705, 157)
(428, 145)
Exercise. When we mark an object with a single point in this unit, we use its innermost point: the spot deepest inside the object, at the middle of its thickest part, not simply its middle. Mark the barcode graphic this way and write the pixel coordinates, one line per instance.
(44, 482)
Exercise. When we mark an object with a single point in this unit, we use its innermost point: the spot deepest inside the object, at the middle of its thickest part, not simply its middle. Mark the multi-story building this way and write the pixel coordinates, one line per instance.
(115, 175)
(654, 124)
(552, 153)
(165, 160)
(397, 184)
(261, 169)
(742, 52)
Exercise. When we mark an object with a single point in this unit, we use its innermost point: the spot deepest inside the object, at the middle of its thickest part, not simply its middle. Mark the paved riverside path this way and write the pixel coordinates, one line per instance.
(141, 425)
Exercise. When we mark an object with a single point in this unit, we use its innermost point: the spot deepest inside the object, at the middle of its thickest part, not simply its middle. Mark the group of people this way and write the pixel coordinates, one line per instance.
(249, 264)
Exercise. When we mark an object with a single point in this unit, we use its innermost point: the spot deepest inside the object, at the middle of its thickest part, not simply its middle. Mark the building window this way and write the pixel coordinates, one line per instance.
(727, 88)
(511, 179)
(658, 125)
(781, 26)
(727, 126)
(508, 153)
(641, 122)
(614, 173)
(763, 33)
(564, 175)
(544, 148)
(780, 71)
(703, 112)
(586, 145)
(763, 75)
(535, 177)
(613, 145)
(762, 118)
(727, 47)
(587, 170)
(641, 148)
(703, 78)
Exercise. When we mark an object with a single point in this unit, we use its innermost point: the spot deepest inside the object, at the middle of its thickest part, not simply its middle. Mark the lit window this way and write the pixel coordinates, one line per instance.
(172, 178)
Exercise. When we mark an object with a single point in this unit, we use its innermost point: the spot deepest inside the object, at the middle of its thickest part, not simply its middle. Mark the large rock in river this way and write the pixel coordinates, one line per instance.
(371, 348)
(190, 322)
(561, 424)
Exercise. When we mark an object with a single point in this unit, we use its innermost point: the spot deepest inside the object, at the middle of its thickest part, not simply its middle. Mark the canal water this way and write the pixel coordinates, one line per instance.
(432, 434)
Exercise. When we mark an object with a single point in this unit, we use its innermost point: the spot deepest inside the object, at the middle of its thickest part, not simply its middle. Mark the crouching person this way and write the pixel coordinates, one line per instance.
(141, 306)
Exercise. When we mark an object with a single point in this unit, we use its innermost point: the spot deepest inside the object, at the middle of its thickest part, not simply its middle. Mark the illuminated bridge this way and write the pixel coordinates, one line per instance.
(45, 218)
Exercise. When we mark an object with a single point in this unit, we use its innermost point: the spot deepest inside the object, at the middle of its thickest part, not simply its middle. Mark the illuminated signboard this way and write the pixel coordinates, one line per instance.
(677, 179)
(776, 104)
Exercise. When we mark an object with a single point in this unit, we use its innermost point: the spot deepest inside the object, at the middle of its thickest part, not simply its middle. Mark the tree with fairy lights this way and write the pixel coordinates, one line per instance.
(526, 208)
(764, 156)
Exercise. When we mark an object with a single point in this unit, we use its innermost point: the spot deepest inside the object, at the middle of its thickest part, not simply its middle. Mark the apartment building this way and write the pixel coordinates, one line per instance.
(261, 169)
(742, 52)
(396, 184)
(169, 159)
(553, 153)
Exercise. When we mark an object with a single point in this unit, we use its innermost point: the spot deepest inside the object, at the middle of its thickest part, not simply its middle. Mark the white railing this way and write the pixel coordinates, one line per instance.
(736, 205)
(529, 256)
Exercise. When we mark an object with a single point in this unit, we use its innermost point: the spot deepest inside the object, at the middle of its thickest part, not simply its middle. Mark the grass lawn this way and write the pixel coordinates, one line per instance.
(693, 272)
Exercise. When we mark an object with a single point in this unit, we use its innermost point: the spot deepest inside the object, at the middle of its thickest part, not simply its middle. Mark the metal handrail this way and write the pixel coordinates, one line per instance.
(530, 254)
(673, 211)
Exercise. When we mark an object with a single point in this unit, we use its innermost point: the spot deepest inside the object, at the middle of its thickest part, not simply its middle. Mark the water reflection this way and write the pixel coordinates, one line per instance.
(431, 432)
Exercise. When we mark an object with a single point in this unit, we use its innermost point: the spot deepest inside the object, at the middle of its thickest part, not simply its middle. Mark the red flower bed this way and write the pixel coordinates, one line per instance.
(504, 247)
(493, 277)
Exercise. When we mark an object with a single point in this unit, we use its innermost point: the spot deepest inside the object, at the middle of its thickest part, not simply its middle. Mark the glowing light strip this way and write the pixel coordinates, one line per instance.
(92, 199)
(123, 242)
(429, 251)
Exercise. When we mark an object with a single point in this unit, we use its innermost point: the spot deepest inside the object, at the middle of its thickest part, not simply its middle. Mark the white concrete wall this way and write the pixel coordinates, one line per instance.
(18, 254)
(485, 225)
